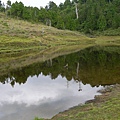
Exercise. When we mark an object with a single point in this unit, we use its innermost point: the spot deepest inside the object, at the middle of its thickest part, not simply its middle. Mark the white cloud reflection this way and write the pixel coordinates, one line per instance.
(41, 97)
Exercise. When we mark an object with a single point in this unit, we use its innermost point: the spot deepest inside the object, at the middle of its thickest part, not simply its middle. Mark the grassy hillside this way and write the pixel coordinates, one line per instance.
(22, 42)
(18, 36)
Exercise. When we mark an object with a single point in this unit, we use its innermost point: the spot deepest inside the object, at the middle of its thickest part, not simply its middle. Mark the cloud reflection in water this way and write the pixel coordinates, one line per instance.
(41, 97)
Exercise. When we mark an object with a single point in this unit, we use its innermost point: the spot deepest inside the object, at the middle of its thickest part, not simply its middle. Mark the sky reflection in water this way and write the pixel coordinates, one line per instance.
(42, 97)
(53, 90)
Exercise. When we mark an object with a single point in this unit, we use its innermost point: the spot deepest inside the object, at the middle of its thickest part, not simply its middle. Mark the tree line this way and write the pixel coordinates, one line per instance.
(80, 15)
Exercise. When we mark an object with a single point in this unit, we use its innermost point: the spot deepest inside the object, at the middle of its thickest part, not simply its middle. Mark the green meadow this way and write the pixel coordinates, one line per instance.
(23, 43)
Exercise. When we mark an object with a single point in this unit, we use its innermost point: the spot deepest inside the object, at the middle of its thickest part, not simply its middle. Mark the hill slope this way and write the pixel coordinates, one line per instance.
(22, 42)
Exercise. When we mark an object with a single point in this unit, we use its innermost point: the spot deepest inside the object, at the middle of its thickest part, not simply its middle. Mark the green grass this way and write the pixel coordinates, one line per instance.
(38, 118)
(110, 32)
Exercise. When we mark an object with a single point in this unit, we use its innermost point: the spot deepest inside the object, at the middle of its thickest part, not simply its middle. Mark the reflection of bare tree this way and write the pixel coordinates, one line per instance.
(77, 71)
(13, 83)
(80, 88)
(66, 66)
(49, 62)
(77, 76)
(67, 84)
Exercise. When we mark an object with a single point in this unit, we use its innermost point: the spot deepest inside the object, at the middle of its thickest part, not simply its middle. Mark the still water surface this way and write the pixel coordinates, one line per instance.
(47, 88)
(41, 97)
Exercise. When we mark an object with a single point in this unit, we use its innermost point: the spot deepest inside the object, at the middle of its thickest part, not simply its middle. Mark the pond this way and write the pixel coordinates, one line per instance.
(46, 88)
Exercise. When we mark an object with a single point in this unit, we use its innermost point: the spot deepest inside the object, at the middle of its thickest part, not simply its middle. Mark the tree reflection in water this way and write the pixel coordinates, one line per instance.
(95, 66)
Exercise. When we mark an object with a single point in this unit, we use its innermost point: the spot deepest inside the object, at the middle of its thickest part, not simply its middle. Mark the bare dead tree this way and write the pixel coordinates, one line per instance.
(48, 22)
(76, 10)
